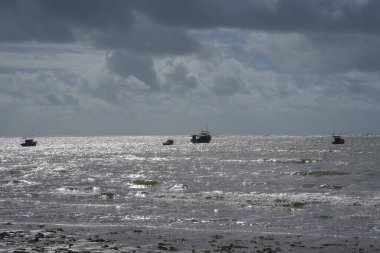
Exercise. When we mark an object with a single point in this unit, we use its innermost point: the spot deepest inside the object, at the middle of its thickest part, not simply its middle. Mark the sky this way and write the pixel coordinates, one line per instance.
(169, 67)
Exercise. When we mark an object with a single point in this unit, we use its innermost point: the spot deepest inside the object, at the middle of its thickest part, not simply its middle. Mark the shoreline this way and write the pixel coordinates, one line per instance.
(51, 238)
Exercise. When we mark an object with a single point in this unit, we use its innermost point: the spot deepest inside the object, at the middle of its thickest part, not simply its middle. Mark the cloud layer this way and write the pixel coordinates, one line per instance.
(161, 67)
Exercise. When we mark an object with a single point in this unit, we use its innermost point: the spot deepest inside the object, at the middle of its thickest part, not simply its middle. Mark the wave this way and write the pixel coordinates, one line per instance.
(21, 182)
(291, 160)
(320, 173)
(275, 160)
(78, 190)
(324, 186)
(257, 199)
(178, 188)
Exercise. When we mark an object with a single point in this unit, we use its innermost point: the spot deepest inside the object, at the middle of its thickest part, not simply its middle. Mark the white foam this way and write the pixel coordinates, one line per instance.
(264, 199)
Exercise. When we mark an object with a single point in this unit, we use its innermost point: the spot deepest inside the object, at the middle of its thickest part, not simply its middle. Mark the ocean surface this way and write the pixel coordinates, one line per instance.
(298, 185)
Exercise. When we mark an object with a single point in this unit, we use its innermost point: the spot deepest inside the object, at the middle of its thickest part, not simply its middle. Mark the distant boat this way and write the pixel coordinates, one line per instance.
(338, 139)
(168, 142)
(29, 143)
(203, 137)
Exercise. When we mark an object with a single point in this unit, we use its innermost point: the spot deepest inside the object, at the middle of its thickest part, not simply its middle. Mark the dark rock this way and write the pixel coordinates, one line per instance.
(4, 235)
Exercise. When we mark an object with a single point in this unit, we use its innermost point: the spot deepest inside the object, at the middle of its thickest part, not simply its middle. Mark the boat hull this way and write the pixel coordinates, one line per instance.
(168, 142)
(29, 144)
(202, 139)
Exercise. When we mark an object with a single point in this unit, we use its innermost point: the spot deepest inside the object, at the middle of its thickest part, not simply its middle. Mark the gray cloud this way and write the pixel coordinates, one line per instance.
(174, 75)
(126, 64)
(317, 52)
(146, 36)
(26, 88)
(347, 51)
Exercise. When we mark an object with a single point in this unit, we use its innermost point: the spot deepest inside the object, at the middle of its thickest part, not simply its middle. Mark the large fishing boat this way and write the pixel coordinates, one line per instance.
(29, 143)
(203, 137)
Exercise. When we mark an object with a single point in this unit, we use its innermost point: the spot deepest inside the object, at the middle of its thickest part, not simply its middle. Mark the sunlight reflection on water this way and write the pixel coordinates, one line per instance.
(301, 184)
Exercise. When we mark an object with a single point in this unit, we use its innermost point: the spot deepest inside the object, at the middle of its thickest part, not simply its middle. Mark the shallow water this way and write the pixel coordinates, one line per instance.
(264, 184)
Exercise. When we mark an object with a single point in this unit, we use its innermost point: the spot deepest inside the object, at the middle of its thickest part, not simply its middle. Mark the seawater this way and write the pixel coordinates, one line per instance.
(264, 184)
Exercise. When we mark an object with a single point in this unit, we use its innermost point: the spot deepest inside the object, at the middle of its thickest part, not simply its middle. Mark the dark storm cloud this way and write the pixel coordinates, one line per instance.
(270, 15)
(130, 24)
(107, 24)
(57, 21)
(28, 20)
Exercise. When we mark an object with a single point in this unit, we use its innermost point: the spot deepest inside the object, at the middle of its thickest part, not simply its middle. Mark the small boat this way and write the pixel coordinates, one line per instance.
(168, 142)
(338, 139)
(203, 137)
(29, 143)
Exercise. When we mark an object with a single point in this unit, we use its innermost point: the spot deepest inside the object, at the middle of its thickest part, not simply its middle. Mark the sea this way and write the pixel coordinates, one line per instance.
(276, 184)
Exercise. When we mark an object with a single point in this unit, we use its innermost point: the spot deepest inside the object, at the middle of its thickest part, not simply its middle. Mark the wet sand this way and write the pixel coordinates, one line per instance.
(48, 238)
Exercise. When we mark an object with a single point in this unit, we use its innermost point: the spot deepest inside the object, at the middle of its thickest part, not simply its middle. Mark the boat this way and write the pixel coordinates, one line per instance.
(338, 139)
(203, 137)
(29, 143)
(168, 142)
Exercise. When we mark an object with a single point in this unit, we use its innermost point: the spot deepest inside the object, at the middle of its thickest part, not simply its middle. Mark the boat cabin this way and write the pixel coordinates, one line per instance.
(338, 139)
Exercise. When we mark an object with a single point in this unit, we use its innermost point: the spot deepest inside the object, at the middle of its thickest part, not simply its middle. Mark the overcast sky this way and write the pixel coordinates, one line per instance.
(171, 67)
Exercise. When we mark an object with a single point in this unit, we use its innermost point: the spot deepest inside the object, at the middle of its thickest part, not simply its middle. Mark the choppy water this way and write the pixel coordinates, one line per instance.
(266, 184)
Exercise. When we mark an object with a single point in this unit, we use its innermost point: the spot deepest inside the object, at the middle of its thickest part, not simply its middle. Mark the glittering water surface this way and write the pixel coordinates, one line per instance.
(274, 184)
